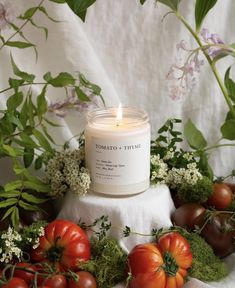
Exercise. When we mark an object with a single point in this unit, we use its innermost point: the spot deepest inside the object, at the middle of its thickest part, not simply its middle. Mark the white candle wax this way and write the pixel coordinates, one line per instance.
(118, 151)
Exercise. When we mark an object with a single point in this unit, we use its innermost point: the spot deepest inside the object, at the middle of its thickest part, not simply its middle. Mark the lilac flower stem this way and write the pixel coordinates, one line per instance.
(211, 63)
(22, 26)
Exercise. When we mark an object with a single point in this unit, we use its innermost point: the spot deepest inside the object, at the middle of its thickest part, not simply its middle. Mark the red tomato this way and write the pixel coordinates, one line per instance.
(15, 282)
(27, 276)
(221, 197)
(85, 280)
(55, 281)
(162, 265)
(64, 243)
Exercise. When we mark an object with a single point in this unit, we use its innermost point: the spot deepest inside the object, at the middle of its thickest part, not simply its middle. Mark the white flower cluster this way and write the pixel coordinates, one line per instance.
(159, 173)
(10, 249)
(174, 177)
(41, 232)
(179, 176)
(66, 172)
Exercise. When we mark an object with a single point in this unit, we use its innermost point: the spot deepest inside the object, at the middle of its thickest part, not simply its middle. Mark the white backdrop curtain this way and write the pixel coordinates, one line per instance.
(127, 49)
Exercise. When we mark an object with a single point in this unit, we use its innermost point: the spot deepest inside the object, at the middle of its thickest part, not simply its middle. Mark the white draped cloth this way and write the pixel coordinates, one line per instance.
(127, 49)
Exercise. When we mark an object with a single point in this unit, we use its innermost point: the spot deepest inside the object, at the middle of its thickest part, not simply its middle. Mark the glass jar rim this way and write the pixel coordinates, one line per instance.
(132, 116)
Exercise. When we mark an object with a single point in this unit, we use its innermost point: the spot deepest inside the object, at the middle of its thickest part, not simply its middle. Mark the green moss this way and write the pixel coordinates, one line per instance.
(206, 266)
(198, 193)
(108, 262)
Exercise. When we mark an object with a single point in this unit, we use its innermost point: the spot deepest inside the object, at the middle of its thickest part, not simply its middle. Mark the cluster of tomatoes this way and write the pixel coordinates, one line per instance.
(64, 247)
(213, 220)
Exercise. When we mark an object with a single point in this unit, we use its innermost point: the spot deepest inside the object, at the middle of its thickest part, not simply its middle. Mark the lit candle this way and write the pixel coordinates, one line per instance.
(117, 143)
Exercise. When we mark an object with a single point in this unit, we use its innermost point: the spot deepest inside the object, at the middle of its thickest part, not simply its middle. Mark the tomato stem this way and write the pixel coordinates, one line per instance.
(54, 253)
(170, 266)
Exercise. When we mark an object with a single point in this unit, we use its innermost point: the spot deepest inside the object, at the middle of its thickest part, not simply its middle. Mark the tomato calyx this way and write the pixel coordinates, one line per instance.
(55, 252)
(170, 266)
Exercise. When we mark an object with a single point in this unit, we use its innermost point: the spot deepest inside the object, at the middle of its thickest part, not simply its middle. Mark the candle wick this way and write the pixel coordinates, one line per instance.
(117, 123)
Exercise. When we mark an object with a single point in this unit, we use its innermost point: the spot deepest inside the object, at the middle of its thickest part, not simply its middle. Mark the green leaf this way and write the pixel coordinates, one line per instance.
(47, 77)
(8, 212)
(42, 103)
(13, 185)
(10, 194)
(15, 83)
(19, 44)
(27, 206)
(28, 13)
(228, 129)
(42, 140)
(28, 156)
(81, 95)
(15, 218)
(201, 9)
(230, 114)
(28, 141)
(24, 113)
(38, 187)
(30, 110)
(230, 85)
(173, 4)
(11, 151)
(8, 202)
(23, 75)
(14, 120)
(194, 137)
(14, 101)
(142, 1)
(32, 199)
(2, 39)
(62, 80)
(38, 163)
(79, 7)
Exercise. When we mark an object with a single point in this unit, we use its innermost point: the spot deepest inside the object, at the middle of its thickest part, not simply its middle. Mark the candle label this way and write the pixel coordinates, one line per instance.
(120, 162)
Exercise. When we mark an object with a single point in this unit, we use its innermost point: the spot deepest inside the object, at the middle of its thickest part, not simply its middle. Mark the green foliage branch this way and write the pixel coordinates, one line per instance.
(24, 135)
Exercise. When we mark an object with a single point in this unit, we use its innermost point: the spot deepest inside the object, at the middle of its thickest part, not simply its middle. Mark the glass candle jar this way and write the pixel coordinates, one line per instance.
(117, 150)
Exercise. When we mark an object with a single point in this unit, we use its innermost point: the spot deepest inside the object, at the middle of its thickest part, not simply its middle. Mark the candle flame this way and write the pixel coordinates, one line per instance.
(119, 114)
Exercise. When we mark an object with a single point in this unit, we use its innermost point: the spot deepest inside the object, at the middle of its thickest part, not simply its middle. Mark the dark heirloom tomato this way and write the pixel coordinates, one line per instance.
(188, 215)
(220, 233)
(162, 265)
(15, 282)
(221, 197)
(64, 244)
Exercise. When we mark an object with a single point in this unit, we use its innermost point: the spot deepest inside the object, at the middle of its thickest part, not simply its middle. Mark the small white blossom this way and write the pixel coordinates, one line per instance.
(11, 250)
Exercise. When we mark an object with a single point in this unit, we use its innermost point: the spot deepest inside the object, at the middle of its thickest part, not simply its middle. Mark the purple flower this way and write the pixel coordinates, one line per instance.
(7, 14)
(182, 75)
(217, 45)
(60, 108)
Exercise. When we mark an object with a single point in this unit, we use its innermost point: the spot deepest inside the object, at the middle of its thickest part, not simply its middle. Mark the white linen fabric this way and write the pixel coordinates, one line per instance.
(127, 50)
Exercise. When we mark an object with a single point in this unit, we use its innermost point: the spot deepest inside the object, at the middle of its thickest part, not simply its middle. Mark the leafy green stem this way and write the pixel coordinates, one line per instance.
(24, 84)
(218, 146)
(23, 25)
(211, 63)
